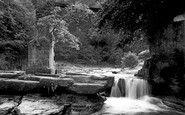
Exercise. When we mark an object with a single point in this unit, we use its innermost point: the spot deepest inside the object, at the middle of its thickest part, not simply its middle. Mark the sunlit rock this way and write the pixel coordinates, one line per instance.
(39, 106)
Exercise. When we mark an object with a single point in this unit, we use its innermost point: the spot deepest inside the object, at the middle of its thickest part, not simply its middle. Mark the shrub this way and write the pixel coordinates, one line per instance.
(130, 60)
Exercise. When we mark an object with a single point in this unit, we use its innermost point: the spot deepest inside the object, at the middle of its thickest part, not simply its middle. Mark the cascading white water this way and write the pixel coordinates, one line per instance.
(129, 96)
(136, 88)
(130, 87)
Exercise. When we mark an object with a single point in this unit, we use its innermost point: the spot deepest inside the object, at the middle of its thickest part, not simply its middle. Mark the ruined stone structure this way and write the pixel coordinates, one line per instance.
(38, 51)
(38, 55)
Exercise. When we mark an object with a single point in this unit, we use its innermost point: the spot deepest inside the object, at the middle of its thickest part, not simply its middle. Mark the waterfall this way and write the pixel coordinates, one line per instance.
(130, 87)
(115, 91)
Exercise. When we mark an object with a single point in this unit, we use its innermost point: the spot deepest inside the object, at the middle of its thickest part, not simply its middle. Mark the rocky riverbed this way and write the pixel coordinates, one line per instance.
(74, 90)
(66, 93)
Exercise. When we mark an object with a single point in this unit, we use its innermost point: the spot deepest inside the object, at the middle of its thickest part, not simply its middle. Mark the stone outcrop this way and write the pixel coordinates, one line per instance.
(165, 69)
(60, 82)
(11, 86)
(38, 105)
(165, 73)
(121, 85)
(8, 105)
(78, 84)
(77, 94)
(11, 75)
(87, 88)
(175, 104)
(65, 104)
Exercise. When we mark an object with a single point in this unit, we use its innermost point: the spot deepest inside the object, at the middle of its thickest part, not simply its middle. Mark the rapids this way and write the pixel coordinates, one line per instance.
(131, 96)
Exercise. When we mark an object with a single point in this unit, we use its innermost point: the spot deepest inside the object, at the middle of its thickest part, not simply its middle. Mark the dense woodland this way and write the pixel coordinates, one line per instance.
(100, 36)
(19, 25)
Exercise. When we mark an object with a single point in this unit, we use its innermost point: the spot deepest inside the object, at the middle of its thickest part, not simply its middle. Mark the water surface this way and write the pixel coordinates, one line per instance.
(126, 106)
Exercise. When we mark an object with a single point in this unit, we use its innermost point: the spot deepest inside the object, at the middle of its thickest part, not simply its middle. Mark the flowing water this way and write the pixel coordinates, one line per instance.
(133, 88)
(131, 96)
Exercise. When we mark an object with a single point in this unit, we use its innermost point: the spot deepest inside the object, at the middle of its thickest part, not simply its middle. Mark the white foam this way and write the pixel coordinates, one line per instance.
(130, 106)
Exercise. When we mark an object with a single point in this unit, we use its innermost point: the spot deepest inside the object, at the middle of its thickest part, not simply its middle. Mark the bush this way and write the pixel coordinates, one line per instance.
(130, 60)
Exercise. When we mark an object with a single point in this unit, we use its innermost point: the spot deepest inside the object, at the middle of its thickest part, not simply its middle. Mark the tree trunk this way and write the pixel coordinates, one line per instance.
(52, 55)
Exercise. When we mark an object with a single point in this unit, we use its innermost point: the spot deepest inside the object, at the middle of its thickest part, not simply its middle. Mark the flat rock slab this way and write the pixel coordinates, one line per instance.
(90, 84)
(87, 88)
(80, 84)
(18, 85)
(109, 79)
(31, 78)
(61, 82)
(9, 75)
(46, 75)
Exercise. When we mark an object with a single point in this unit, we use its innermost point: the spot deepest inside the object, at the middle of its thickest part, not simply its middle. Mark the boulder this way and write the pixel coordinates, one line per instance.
(121, 85)
(8, 105)
(39, 106)
(82, 104)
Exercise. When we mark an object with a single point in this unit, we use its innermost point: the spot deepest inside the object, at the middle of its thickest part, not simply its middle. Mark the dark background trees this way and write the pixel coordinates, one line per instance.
(15, 32)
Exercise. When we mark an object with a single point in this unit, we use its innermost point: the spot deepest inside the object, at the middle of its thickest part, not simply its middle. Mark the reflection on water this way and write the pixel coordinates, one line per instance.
(127, 106)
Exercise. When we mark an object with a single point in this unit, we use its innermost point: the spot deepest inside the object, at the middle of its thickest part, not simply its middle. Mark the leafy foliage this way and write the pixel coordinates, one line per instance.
(58, 27)
(147, 15)
(15, 30)
(78, 17)
(130, 60)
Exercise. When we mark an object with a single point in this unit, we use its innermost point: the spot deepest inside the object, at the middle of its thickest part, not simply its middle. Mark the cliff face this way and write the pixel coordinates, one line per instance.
(165, 70)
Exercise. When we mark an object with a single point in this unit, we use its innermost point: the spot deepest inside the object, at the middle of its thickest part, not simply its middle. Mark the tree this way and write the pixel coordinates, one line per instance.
(58, 31)
(15, 30)
(78, 16)
(148, 15)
